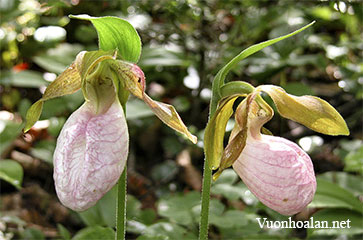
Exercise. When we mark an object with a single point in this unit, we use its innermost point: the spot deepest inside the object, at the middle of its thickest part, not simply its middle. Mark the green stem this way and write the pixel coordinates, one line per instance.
(204, 215)
(121, 206)
(207, 181)
(122, 182)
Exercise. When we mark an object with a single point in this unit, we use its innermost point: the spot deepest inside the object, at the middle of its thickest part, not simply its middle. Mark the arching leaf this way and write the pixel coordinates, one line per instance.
(221, 75)
(116, 33)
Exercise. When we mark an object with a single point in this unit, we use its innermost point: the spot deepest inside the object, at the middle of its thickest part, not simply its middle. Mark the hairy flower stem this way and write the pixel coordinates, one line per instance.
(121, 206)
(204, 216)
(207, 181)
(121, 195)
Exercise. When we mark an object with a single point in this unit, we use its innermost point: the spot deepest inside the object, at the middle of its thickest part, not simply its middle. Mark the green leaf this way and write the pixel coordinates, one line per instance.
(135, 227)
(56, 125)
(313, 112)
(214, 133)
(221, 75)
(230, 219)
(133, 207)
(44, 150)
(179, 208)
(160, 56)
(63, 232)
(244, 232)
(136, 109)
(228, 176)
(9, 131)
(103, 213)
(33, 114)
(216, 209)
(337, 216)
(62, 106)
(107, 207)
(165, 230)
(26, 78)
(298, 89)
(92, 216)
(354, 161)
(58, 59)
(95, 232)
(228, 191)
(224, 186)
(330, 195)
(12, 172)
(116, 33)
(147, 216)
(246, 194)
(33, 233)
(345, 180)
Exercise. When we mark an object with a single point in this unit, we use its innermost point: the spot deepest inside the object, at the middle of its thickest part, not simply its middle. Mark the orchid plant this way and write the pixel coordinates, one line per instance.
(277, 171)
(92, 147)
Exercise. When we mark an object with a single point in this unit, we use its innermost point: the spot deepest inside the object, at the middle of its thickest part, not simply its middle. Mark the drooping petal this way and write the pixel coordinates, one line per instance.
(90, 155)
(237, 139)
(313, 112)
(214, 132)
(168, 115)
(134, 81)
(66, 83)
(278, 172)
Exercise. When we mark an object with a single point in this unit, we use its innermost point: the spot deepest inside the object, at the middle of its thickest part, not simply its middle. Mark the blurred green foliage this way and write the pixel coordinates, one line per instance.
(185, 43)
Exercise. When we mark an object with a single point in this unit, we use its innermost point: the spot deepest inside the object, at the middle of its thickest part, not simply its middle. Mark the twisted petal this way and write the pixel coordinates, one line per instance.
(66, 83)
(90, 155)
(278, 173)
(133, 79)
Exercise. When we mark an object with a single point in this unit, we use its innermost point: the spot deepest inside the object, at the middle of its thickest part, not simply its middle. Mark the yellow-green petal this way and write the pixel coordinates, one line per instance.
(214, 132)
(33, 115)
(169, 116)
(132, 77)
(313, 112)
(133, 80)
(66, 83)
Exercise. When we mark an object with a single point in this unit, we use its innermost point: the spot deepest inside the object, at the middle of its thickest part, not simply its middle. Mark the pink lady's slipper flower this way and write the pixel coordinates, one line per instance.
(277, 171)
(90, 155)
(92, 147)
